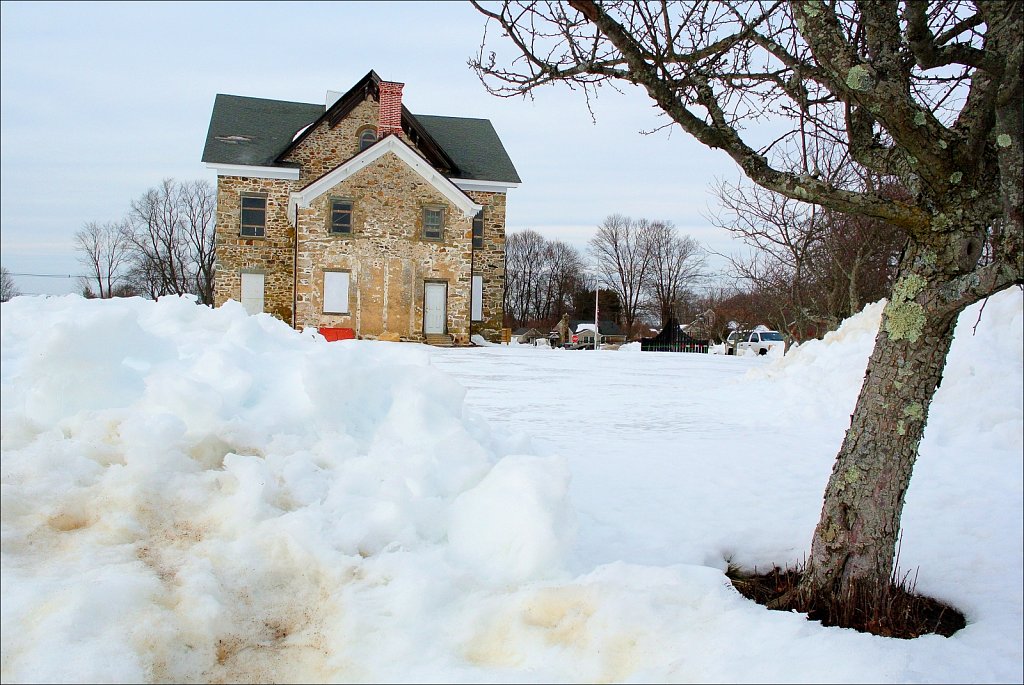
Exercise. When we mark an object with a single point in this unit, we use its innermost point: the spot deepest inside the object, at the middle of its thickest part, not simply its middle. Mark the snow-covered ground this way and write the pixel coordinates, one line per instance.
(197, 495)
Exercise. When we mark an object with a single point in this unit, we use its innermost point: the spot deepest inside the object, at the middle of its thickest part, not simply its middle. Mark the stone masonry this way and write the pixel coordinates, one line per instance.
(386, 256)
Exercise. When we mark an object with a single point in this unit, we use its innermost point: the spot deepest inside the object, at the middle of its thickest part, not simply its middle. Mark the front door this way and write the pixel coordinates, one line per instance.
(435, 307)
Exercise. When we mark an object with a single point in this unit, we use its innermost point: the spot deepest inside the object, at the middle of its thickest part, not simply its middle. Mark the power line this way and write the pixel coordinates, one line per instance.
(47, 275)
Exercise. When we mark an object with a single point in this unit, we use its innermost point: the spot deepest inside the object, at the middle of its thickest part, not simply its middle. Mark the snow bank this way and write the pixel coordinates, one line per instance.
(182, 485)
(195, 495)
(481, 341)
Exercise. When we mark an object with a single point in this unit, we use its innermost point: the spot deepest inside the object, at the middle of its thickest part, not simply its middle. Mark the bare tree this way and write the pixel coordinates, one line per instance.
(198, 201)
(676, 263)
(621, 251)
(540, 278)
(171, 234)
(524, 252)
(105, 253)
(814, 266)
(8, 288)
(926, 93)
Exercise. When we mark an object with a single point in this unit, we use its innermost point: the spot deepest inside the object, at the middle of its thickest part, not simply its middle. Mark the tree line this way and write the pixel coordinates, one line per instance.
(643, 270)
(164, 245)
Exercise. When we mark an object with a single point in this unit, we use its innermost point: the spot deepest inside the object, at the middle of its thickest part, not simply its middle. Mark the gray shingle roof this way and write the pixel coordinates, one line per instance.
(473, 145)
(253, 131)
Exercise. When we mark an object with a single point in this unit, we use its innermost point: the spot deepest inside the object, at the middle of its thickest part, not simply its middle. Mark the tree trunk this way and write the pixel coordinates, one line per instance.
(855, 540)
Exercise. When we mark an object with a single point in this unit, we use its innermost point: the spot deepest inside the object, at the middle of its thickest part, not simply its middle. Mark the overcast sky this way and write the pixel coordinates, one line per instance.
(101, 101)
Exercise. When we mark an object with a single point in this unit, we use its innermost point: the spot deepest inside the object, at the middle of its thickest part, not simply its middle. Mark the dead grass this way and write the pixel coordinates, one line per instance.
(892, 610)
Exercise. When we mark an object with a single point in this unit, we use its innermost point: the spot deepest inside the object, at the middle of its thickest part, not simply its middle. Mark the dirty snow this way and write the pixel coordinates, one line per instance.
(197, 495)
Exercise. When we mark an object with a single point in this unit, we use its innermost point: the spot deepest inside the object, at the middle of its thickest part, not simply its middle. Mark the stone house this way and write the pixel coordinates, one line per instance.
(359, 217)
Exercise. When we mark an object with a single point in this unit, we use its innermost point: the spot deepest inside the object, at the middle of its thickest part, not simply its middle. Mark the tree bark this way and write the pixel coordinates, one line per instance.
(855, 541)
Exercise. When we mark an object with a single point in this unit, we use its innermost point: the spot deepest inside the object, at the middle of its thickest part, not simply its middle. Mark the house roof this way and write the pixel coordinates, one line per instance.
(253, 131)
(257, 132)
(473, 145)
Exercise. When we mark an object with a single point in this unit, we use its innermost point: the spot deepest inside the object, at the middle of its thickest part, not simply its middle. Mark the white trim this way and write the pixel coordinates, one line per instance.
(486, 186)
(394, 145)
(247, 171)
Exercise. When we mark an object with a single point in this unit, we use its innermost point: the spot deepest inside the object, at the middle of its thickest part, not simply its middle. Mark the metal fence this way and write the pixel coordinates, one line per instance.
(697, 346)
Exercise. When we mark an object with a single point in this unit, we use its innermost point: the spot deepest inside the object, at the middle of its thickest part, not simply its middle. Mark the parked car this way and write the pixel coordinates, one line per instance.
(761, 342)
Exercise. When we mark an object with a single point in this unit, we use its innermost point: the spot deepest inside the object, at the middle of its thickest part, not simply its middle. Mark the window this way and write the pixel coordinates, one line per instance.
(252, 292)
(254, 215)
(477, 299)
(367, 138)
(335, 292)
(433, 223)
(341, 217)
(478, 229)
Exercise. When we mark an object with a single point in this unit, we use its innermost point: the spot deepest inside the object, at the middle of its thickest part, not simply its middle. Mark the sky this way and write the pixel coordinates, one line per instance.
(101, 101)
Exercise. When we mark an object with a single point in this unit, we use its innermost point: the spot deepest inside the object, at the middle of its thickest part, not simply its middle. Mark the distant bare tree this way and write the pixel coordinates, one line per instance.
(813, 266)
(171, 234)
(676, 264)
(104, 251)
(523, 256)
(198, 201)
(621, 250)
(540, 278)
(561, 276)
(8, 288)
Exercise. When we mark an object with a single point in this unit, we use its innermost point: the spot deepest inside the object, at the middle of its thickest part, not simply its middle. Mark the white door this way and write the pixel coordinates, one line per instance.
(252, 293)
(435, 307)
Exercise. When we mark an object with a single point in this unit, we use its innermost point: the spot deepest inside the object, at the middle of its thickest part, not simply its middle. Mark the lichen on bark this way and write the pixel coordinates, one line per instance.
(860, 78)
(904, 318)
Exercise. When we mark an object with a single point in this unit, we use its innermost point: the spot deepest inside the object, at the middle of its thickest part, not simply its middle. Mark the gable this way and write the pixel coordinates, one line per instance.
(366, 88)
(389, 145)
(322, 147)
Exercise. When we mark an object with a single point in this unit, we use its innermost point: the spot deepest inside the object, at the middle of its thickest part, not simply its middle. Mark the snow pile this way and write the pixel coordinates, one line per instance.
(195, 495)
(854, 339)
(182, 485)
(630, 347)
(827, 371)
(481, 341)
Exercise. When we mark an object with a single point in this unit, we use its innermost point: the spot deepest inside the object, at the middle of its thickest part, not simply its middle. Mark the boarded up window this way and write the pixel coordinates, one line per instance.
(478, 298)
(335, 292)
(252, 292)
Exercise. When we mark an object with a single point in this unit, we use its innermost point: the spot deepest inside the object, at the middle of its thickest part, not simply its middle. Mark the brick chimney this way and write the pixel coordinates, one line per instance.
(390, 108)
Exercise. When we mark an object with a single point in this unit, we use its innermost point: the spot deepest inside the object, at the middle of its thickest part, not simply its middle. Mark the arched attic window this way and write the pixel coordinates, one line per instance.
(367, 137)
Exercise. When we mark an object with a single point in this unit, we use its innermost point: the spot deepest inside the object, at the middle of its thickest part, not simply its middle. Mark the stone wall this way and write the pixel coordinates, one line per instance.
(386, 256)
(489, 262)
(271, 255)
(387, 259)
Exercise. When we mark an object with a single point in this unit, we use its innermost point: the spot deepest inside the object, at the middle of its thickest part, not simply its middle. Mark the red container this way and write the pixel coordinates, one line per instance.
(332, 334)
